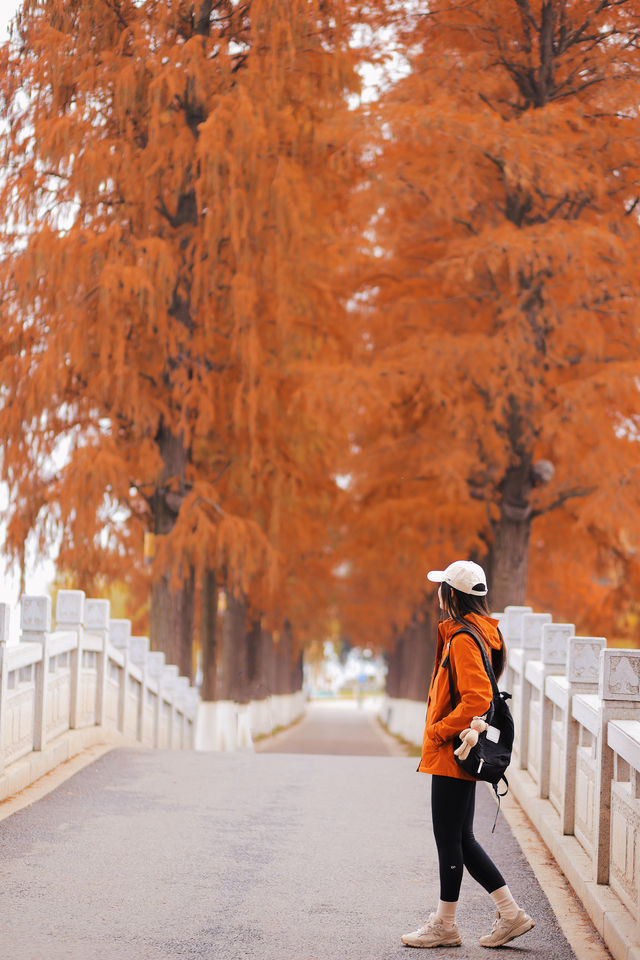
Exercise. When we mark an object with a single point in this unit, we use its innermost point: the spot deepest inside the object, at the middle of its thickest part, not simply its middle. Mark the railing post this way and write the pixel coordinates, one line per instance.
(35, 626)
(154, 665)
(531, 645)
(69, 615)
(5, 620)
(170, 675)
(96, 620)
(119, 637)
(555, 641)
(511, 627)
(583, 669)
(193, 701)
(180, 690)
(511, 621)
(138, 650)
(619, 692)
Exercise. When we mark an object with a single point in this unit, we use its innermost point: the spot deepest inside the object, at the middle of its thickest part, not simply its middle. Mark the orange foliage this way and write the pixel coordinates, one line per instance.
(176, 180)
(499, 332)
(204, 250)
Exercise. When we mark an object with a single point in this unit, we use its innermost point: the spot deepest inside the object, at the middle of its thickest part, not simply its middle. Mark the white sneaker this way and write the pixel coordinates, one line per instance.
(504, 930)
(433, 933)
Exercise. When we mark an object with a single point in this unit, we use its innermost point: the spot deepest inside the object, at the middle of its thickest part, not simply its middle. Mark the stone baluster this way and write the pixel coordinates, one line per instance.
(70, 616)
(35, 626)
(96, 621)
(510, 622)
(555, 646)
(531, 647)
(245, 740)
(5, 620)
(119, 638)
(169, 677)
(138, 650)
(154, 666)
(619, 692)
(193, 702)
(180, 692)
(583, 669)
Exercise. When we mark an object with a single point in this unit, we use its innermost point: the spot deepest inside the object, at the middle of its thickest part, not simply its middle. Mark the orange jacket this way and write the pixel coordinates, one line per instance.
(473, 687)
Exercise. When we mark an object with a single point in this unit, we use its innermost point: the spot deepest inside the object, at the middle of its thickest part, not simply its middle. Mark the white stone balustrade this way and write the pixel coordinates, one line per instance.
(580, 676)
(89, 681)
(511, 622)
(576, 761)
(624, 740)
(225, 725)
(555, 642)
(524, 700)
(87, 672)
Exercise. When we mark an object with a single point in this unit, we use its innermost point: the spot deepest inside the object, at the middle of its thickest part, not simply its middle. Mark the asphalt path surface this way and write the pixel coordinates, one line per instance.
(264, 856)
(339, 728)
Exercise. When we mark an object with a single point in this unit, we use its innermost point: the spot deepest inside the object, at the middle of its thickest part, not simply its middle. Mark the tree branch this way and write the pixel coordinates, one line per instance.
(203, 17)
(632, 207)
(562, 498)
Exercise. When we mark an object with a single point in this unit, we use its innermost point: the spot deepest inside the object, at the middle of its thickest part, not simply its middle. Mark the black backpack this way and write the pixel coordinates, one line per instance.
(491, 756)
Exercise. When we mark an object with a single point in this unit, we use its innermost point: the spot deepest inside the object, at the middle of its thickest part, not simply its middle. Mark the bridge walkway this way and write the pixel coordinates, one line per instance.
(158, 855)
(339, 728)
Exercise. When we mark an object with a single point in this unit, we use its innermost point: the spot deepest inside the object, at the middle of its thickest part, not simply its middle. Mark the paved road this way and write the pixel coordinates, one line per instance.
(242, 857)
(336, 727)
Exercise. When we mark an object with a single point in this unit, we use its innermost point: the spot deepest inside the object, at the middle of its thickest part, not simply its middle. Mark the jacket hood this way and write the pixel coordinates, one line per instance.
(487, 627)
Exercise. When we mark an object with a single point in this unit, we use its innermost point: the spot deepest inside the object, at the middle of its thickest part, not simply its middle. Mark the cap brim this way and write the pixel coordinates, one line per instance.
(436, 576)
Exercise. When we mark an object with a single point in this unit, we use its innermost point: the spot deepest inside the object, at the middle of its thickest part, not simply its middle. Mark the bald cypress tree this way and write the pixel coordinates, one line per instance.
(173, 185)
(499, 339)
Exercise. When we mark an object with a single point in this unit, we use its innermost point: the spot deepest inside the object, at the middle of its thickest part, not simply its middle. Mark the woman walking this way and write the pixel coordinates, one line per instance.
(462, 595)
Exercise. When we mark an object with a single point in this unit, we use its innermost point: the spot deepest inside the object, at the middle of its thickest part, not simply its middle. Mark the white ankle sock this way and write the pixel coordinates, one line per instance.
(447, 912)
(505, 903)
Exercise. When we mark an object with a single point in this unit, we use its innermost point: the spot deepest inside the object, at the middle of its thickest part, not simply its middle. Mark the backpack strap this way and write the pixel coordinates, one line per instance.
(485, 661)
(499, 797)
(496, 693)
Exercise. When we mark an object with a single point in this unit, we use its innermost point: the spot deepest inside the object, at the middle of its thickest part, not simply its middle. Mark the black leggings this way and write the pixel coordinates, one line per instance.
(452, 809)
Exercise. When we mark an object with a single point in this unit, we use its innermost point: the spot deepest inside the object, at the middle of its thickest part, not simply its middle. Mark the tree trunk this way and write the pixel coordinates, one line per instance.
(171, 622)
(406, 663)
(258, 644)
(285, 650)
(393, 665)
(296, 672)
(415, 679)
(269, 665)
(208, 635)
(397, 676)
(509, 555)
(232, 677)
(282, 661)
(509, 560)
(172, 608)
(423, 656)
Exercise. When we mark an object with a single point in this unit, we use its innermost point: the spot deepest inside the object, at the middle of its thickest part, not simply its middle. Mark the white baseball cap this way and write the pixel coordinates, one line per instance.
(463, 575)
